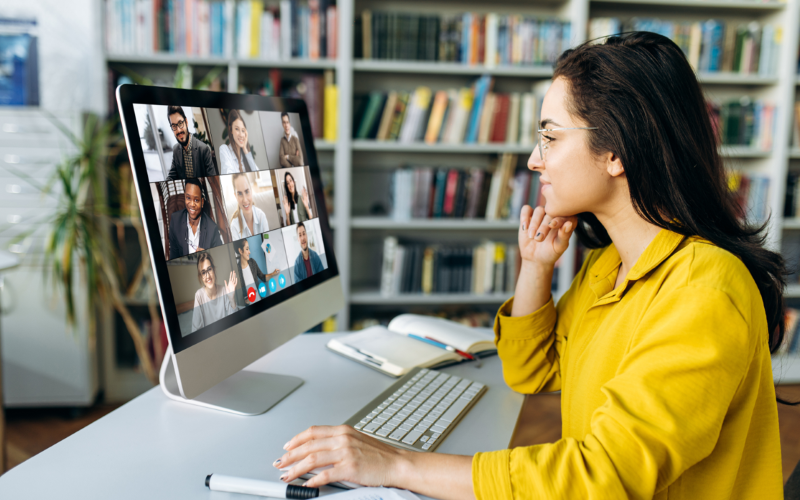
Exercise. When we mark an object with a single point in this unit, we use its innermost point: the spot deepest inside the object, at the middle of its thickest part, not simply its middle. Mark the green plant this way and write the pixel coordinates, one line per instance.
(78, 240)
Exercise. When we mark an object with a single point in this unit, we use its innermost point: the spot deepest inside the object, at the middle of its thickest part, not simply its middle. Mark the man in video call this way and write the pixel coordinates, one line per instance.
(291, 156)
(190, 157)
(189, 231)
(308, 262)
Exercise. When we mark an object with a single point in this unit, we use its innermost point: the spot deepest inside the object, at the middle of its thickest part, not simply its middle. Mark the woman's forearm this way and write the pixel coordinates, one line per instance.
(436, 475)
(533, 288)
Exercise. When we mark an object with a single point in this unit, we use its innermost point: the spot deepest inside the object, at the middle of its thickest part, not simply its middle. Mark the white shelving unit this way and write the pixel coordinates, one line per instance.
(352, 159)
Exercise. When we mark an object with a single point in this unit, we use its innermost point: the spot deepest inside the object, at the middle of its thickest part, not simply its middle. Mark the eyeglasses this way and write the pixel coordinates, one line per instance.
(544, 145)
(176, 126)
(206, 271)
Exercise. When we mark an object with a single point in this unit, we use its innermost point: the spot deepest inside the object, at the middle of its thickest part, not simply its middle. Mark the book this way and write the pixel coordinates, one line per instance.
(392, 351)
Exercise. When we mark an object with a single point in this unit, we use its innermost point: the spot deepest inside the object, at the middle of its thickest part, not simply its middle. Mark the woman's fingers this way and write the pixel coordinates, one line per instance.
(315, 432)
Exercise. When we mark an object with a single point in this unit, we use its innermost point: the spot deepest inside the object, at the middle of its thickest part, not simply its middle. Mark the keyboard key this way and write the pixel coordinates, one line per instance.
(372, 427)
(397, 434)
(384, 431)
(412, 437)
(455, 410)
(407, 426)
(424, 439)
(437, 428)
(443, 423)
(358, 426)
(426, 446)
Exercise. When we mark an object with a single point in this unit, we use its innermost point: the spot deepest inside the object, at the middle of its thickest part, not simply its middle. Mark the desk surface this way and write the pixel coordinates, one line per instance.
(155, 448)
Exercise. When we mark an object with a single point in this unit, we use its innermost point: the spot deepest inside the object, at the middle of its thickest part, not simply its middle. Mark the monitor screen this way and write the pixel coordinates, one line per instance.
(233, 206)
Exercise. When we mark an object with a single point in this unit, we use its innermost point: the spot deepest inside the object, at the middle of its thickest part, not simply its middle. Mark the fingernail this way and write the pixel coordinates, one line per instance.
(283, 477)
(286, 446)
(305, 485)
(276, 462)
(537, 234)
(523, 226)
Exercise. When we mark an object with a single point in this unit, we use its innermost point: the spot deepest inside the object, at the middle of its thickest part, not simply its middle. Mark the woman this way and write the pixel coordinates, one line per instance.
(661, 346)
(248, 269)
(212, 302)
(294, 210)
(236, 156)
(248, 219)
(189, 231)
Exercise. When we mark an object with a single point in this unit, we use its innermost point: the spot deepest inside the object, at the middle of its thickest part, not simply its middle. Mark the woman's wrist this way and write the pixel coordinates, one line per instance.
(405, 470)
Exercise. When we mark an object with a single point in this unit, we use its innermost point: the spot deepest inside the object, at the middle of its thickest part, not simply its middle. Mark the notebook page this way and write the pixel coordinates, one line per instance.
(461, 337)
(374, 494)
(399, 349)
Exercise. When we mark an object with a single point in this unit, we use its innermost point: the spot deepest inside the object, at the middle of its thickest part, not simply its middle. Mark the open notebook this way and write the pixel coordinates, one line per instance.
(390, 350)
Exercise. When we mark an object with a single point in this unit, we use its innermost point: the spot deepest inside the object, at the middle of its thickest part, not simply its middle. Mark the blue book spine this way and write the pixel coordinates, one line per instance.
(716, 37)
(481, 87)
(465, 37)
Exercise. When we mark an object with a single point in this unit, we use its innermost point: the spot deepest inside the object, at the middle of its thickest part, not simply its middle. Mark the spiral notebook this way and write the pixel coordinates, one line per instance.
(390, 349)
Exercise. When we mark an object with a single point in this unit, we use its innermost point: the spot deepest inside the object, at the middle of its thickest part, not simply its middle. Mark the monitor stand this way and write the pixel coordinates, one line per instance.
(243, 393)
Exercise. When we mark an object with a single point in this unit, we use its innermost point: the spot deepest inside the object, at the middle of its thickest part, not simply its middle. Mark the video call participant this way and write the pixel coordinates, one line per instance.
(291, 155)
(248, 219)
(308, 262)
(296, 209)
(189, 231)
(190, 157)
(249, 270)
(236, 156)
(212, 302)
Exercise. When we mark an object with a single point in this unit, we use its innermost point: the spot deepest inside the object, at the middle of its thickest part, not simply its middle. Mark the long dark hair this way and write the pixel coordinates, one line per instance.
(640, 92)
(292, 196)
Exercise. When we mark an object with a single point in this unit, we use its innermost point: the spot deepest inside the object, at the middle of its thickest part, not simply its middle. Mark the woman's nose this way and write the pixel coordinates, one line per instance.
(535, 160)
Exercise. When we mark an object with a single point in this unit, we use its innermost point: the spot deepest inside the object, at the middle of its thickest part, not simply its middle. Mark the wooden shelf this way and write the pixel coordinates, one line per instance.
(324, 145)
(743, 152)
(421, 147)
(791, 223)
(433, 224)
(728, 78)
(375, 298)
(792, 291)
(174, 59)
(794, 153)
(700, 4)
(449, 68)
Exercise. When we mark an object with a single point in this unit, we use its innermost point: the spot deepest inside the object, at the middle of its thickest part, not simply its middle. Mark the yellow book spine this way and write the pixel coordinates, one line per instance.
(331, 116)
(256, 10)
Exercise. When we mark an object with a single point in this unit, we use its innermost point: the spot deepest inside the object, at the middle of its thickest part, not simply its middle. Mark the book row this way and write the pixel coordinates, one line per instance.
(744, 122)
(712, 45)
(751, 192)
(497, 193)
(489, 267)
(470, 38)
(222, 28)
(467, 115)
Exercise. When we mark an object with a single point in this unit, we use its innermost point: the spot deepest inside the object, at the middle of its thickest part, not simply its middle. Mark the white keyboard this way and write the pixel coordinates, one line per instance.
(419, 410)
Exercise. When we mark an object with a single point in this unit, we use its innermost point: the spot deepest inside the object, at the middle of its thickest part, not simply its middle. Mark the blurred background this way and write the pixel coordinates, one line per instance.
(423, 117)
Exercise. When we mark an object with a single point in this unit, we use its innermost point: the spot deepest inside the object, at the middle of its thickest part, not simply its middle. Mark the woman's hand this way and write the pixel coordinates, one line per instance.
(304, 197)
(230, 285)
(542, 239)
(286, 207)
(355, 457)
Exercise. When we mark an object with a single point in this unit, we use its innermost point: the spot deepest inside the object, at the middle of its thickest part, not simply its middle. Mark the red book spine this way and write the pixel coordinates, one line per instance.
(450, 193)
(500, 119)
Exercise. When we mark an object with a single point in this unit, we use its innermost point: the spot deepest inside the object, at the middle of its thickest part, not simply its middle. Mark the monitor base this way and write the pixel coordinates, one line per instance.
(243, 393)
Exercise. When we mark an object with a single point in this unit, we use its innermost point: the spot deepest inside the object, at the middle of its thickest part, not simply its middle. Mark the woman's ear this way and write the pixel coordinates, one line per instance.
(614, 165)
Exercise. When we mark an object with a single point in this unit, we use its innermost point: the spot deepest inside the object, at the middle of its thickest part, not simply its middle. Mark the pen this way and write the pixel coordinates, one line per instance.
(442, 345)
(219, 482)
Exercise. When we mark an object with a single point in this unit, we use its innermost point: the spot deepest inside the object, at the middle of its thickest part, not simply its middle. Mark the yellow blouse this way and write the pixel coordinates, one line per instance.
(666, 383)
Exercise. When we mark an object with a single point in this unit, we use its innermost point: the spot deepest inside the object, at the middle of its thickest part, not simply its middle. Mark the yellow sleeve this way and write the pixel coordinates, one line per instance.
(663, 411)
(530, 346)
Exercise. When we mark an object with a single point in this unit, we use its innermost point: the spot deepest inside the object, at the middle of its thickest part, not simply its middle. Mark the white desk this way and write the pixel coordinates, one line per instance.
(153, 448)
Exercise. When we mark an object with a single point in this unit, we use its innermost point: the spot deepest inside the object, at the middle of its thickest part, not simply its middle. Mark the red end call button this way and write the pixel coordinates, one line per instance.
(251, 294)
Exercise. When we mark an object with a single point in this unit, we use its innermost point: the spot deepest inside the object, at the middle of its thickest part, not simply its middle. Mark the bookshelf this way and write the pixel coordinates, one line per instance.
(357, 235)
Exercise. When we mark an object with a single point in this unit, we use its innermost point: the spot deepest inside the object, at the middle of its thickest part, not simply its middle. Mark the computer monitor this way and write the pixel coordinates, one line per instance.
(238, 233)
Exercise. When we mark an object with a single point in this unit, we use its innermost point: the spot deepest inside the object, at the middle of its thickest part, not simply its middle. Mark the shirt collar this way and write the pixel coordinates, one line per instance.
(188, 142)
(601, 278)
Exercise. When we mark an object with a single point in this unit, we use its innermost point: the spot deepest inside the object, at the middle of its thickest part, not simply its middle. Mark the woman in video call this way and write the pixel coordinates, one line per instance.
(212, 302)
(236, 156)
(189, 231)
(248, 268)
(248, 219)
(660, 347)
(296, 208)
